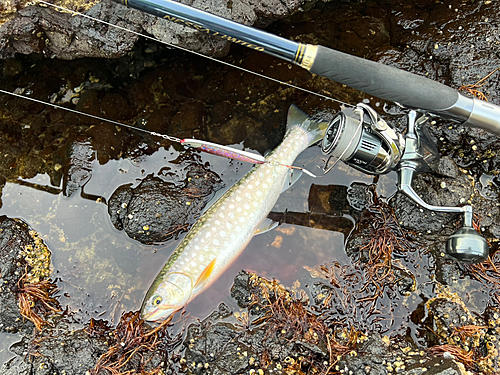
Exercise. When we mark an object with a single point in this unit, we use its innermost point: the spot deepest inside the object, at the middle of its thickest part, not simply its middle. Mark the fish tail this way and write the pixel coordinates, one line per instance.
(298, 118)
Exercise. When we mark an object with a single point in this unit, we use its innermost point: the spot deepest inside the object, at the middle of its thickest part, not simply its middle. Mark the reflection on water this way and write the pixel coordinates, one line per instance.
(101, 272)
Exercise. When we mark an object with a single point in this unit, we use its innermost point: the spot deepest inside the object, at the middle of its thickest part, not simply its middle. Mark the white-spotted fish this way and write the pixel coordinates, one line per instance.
(223, 231)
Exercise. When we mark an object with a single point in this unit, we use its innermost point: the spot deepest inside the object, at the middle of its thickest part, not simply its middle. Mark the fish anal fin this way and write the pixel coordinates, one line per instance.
(206, 273)
(265, 226)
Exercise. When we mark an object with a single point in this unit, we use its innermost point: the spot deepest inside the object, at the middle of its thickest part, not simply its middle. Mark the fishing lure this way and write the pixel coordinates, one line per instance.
(233, 153)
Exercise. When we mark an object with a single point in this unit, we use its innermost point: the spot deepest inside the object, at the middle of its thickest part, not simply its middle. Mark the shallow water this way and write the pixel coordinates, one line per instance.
(102, 273)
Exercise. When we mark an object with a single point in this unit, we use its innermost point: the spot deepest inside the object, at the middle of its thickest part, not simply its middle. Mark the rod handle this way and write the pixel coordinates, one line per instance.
(383, 81)
(400, 86)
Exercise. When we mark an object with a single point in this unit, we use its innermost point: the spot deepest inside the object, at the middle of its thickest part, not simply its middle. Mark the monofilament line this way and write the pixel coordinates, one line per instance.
(194, 52)
(170, 138)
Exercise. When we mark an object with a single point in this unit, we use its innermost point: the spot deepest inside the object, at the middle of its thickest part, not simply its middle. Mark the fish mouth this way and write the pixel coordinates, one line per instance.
(160, 313)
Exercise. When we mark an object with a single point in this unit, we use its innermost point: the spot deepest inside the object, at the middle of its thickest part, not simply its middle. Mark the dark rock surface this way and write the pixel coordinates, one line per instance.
(70, 352)
(27, 28)
(78, 166)
(160, 208)
(253, 343)
(14, 237)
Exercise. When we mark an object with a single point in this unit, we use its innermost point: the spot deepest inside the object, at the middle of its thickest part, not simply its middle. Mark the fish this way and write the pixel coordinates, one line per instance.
(224, 230)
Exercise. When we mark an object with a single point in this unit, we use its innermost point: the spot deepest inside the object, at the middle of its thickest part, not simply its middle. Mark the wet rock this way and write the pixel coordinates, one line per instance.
(492, 339)
(451, 191)
(376, 355)
(78, 166)
(159, 209)
(20, 251)
(245, 341)
(460, 38)
(132, 346)
(189, 121)
(3, 181)
(70, 352)
(330, 199)
(359, 196)
(236, 343)
(35, 29)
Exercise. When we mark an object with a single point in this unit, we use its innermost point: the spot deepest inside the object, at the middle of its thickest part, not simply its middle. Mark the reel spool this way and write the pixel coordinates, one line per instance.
(361, 139)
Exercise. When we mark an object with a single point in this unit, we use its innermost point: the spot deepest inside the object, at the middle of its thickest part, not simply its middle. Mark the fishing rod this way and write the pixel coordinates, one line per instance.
(377, 148)
(383, 81)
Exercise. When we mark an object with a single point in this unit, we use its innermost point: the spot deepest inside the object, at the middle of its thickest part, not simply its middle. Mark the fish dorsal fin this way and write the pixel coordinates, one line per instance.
(265, 226)
(206, 273)
(298, 118)
(291, 178)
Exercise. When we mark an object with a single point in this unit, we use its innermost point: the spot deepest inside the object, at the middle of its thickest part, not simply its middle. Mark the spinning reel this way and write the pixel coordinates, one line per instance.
(364, 141)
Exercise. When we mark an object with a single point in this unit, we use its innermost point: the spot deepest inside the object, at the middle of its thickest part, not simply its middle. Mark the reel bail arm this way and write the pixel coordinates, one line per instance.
(364, 141)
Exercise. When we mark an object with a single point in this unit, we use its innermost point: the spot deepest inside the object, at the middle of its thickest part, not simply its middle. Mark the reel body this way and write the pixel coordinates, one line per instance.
(362, 140)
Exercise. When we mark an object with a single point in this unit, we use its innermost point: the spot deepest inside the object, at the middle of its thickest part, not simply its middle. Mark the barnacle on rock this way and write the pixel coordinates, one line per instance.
(37, 256)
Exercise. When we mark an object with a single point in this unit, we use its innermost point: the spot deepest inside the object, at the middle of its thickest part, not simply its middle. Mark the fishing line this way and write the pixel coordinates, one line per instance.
(194, 52)
(170, 138)
(205, 146)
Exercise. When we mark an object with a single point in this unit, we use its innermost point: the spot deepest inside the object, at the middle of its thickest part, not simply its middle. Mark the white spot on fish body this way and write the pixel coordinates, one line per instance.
(241, 219)
(222, 233)
(231, 206)
(238, 209)
(216, 242)
(248, 195)
(250, 187)
(201, 258)
(229, 224)
(217, 222)
(238, 198)
(259, 193)
(221, 215)
(247, 206)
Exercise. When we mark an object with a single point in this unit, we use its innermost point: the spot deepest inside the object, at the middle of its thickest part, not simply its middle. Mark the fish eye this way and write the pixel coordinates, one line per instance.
(156, 300)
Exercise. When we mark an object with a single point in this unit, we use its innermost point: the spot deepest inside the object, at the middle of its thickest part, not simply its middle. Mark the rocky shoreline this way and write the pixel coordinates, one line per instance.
(340, 321)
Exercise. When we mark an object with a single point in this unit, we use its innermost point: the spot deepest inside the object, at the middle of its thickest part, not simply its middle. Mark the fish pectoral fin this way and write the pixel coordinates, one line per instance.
(291, 178)
(265, 226)
(205, 274)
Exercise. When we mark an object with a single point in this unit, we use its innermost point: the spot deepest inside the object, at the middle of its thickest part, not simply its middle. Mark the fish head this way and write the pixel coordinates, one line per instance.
(167, 295)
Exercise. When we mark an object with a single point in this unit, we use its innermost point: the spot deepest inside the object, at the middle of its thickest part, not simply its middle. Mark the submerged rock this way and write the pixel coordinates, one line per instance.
(78, 166)
(158, 209)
